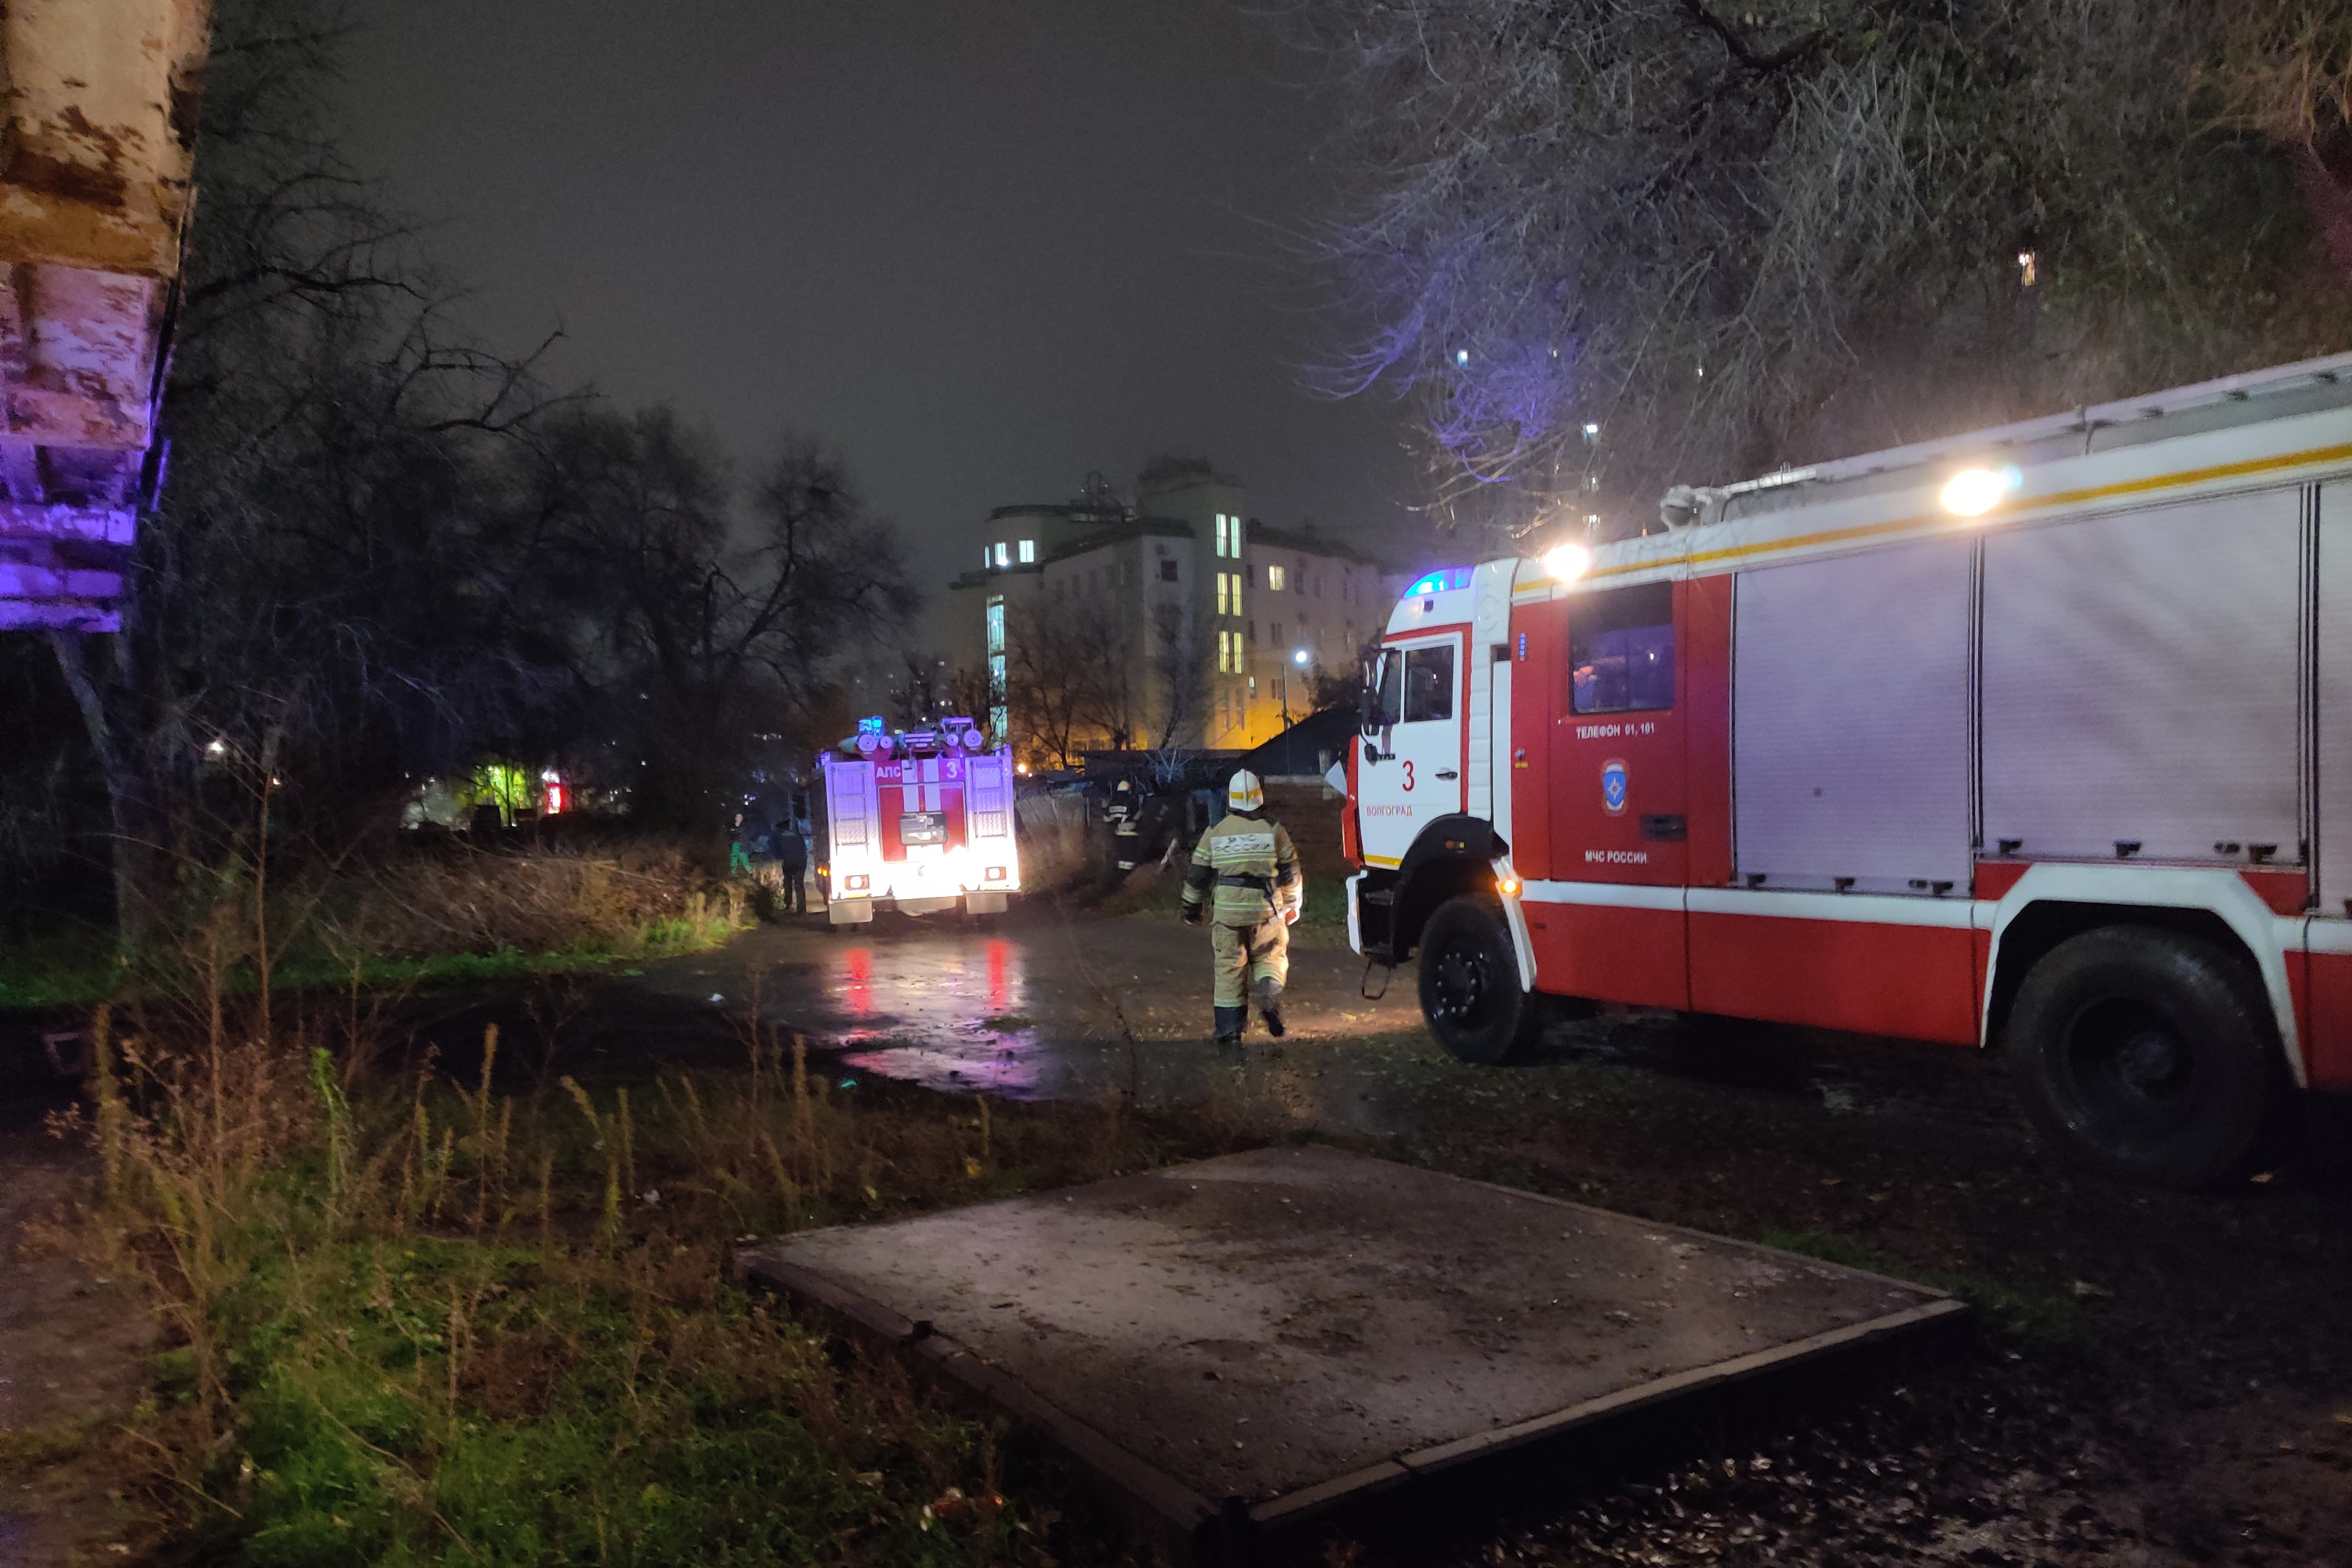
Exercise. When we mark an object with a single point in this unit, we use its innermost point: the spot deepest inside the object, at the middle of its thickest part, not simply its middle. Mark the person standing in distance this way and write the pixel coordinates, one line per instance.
(1244, 882)
(791, 860)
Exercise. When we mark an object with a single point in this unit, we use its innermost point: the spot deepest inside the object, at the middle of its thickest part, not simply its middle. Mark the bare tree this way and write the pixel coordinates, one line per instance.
(1181, 686)
(928, 689)
(1606, 244)
(697, 624)
(328, 440)
(1066, 680)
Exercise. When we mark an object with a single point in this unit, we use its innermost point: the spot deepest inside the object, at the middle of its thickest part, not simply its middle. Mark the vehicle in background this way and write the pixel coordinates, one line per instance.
(916, 820)
(2040, 735)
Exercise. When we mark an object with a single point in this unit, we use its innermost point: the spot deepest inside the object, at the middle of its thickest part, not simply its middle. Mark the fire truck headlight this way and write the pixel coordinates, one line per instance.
(995, 873)
(1972, 492)
(856, 884)
(1567, 561)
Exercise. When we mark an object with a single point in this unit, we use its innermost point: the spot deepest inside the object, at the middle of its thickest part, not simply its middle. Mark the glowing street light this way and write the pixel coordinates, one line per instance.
(1301, 658)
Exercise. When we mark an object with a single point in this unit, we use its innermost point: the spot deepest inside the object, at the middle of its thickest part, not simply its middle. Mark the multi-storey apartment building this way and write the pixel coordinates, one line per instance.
(1175, 620)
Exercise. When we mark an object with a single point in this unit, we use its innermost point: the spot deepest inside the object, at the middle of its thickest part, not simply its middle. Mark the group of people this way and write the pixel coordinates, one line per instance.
(756, 845)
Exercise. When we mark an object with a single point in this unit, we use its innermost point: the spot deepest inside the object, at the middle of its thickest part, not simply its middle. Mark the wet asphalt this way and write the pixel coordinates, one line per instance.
(1045, 1002)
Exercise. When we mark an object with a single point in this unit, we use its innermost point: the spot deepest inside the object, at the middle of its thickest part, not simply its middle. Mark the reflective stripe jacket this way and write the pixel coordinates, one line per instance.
(1250, 867)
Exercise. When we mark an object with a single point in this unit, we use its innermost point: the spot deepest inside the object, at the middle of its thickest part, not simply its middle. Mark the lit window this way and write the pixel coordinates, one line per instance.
(996, 683)
(1003, 556)
(1237, 537)
(996, 625)
(1237, 594)
(1028, 551)
(983, 558)
(1274, 579)
(1224, 593)
(1220, 535)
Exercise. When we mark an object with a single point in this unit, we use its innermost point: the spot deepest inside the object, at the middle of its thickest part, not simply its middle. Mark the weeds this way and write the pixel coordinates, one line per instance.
(2041, 1319)
(416, 1316)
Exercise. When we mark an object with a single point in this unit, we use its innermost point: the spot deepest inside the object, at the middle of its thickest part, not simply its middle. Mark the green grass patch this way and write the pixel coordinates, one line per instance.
(74, 969)
(462, 1402)
(83, 973)
(2039, 1319)
(36, 1447)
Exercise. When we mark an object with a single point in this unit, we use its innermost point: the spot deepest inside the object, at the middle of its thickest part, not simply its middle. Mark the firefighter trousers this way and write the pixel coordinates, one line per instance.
(1250, 959)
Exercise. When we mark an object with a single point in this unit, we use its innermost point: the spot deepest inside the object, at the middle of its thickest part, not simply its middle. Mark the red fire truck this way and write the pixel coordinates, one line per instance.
(2040, 736)
(920, 820)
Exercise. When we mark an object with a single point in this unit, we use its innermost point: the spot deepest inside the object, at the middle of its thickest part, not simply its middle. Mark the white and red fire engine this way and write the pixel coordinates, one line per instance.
(2040, 735)
(922, 820)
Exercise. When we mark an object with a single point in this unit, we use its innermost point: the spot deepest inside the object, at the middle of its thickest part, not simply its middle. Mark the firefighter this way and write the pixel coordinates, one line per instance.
(1244, 881)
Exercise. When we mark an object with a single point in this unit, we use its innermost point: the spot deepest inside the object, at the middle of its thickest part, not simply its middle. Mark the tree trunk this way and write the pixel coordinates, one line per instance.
(126, 792)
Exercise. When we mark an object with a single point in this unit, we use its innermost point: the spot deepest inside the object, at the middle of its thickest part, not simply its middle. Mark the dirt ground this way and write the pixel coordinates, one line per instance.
(72, 1348)
(2159, 1380)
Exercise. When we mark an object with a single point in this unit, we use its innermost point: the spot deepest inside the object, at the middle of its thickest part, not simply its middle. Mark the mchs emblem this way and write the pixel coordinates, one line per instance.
(1612, 785)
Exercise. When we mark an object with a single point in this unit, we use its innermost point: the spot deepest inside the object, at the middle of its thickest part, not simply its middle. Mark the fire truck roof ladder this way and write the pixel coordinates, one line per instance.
(1688, 505)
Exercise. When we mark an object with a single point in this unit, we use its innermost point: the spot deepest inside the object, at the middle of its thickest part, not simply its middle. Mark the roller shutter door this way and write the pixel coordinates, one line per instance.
(2335, 803)
(2140, 681)
(1850, 738)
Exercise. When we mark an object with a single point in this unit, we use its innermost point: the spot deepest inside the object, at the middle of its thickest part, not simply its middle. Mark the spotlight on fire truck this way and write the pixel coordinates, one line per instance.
(1972, 492)
(1567, 561)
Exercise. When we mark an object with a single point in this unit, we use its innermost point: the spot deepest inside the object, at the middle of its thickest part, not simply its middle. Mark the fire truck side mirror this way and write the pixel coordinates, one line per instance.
(1368, 702)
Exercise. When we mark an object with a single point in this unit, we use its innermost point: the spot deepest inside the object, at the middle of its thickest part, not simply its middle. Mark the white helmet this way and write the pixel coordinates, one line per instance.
(1244, 792)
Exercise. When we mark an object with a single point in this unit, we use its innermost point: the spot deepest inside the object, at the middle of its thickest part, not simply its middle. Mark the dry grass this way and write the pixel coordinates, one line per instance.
(555, 899)
(424, 1316)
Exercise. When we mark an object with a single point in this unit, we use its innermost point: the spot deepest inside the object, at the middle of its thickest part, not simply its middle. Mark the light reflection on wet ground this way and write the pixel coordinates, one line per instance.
(1044, 1007)
(1047, 1008)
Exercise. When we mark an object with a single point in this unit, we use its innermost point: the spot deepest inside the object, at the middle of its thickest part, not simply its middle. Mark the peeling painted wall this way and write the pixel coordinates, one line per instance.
(95, 194)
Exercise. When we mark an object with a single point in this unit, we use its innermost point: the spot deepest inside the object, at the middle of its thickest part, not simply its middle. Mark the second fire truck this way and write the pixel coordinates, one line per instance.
(916, 820)
(2040, 736)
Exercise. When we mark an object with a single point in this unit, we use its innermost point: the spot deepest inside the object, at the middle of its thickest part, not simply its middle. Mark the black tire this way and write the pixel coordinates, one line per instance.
(1470, 985)
(2147, 1056)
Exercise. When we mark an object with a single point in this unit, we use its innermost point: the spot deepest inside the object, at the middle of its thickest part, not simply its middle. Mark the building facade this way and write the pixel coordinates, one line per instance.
(1175, 620)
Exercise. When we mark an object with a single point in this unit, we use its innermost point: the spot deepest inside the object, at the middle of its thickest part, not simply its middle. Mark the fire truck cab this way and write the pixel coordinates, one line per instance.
(2040, 736)
(919, 820)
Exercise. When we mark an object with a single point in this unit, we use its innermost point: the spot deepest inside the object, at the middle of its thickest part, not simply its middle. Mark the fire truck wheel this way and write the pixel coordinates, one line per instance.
(2145, 1055)
(1470, 985)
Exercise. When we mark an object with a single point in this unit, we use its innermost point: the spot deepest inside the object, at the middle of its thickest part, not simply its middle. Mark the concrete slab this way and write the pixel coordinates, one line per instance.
(1254, 1340)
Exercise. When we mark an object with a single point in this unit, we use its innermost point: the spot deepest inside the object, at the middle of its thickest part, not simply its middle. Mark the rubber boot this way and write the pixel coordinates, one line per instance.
(1269, 1006)
(1231, 1022)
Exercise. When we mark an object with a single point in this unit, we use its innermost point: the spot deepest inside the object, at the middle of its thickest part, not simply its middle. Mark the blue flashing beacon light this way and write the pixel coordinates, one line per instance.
(1439, 581)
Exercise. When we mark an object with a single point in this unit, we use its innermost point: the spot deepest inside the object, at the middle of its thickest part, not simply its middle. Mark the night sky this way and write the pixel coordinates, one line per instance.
(984, 245)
